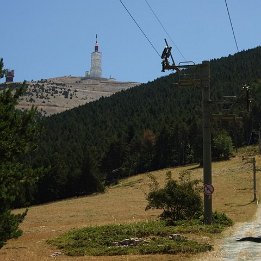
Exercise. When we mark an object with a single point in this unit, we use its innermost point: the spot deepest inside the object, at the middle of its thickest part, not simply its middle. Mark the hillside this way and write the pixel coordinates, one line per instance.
(125, 203)
(148, 127)
(59, 94)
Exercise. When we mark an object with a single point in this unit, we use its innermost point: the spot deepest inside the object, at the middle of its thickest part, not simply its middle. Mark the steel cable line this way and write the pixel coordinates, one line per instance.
(140, 28)
(231, 24)
(163, 27)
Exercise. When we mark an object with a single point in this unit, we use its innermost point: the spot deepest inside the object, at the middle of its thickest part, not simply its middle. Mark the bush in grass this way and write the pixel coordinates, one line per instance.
(178, 200)
(222, 146)
(221, 219)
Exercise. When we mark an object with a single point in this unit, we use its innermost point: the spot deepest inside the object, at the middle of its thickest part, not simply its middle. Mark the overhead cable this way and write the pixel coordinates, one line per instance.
(140, 28)
(231, 24)
(156, 16)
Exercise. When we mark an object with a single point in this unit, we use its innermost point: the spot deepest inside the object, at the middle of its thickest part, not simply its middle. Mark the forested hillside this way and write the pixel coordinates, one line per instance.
(152, 126)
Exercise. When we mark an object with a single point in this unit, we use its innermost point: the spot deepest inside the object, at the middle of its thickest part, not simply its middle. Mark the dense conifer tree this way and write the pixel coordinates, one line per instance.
(18, 133)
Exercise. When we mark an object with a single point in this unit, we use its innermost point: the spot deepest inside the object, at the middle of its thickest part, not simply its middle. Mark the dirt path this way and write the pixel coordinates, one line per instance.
(125, 203)
(231, 248)
(234, 250)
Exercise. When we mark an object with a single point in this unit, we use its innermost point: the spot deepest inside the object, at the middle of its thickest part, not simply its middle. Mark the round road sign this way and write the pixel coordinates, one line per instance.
(208, 189)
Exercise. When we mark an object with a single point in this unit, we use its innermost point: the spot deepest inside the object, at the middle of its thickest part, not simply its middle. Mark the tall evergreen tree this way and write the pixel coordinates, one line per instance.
(18, 132)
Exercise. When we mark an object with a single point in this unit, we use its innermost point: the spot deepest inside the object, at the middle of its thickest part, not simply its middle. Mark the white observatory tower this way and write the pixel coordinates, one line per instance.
(96, 70)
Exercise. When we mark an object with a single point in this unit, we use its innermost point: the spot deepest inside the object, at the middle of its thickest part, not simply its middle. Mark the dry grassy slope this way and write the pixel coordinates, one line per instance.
(126, 202)
(62, 93)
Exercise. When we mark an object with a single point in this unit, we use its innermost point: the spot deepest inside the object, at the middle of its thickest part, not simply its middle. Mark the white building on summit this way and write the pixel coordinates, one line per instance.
(96, 56)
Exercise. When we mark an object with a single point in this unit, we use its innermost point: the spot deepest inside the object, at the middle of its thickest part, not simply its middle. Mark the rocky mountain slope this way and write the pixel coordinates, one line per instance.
(59, 94)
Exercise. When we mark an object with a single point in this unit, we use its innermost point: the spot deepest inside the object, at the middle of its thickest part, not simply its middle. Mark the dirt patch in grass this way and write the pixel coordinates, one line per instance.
(125, 203)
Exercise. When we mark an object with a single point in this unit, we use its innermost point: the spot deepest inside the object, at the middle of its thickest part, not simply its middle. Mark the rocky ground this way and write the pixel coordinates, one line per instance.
(59, 94)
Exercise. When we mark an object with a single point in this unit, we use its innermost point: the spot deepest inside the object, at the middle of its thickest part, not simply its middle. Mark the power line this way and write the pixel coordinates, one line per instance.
(140, 28)
(231, 24)
(164, 29)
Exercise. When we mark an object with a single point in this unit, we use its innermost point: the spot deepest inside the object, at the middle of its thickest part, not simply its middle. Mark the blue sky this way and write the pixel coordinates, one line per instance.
(49, 38)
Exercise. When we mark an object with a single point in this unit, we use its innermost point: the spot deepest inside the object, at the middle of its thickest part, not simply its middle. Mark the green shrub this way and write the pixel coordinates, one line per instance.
(179, 200)
(9, 225)
(221, 219)
(222, 146)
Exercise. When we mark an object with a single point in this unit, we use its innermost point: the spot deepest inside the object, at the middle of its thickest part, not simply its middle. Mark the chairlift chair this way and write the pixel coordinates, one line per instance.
(187, 72)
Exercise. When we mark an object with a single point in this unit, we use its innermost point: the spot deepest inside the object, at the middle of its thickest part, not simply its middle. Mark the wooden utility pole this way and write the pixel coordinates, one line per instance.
(203, 81)
(259, 141)
(252, 160)
(254, 178)
(259, 138)
(206, 115)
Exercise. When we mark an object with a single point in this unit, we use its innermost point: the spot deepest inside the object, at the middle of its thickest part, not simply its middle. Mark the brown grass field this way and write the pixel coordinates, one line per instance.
(125, 202)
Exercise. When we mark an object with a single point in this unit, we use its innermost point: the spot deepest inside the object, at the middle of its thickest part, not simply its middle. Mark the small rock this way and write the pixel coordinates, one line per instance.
(128, 242)
(55, 254)
(176, 237)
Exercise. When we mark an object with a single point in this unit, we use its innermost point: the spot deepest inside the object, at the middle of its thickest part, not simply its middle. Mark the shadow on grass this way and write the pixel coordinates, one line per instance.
(243, 205)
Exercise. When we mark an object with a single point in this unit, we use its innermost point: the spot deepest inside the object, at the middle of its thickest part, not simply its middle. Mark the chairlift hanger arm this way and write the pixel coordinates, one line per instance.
(170, 54)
